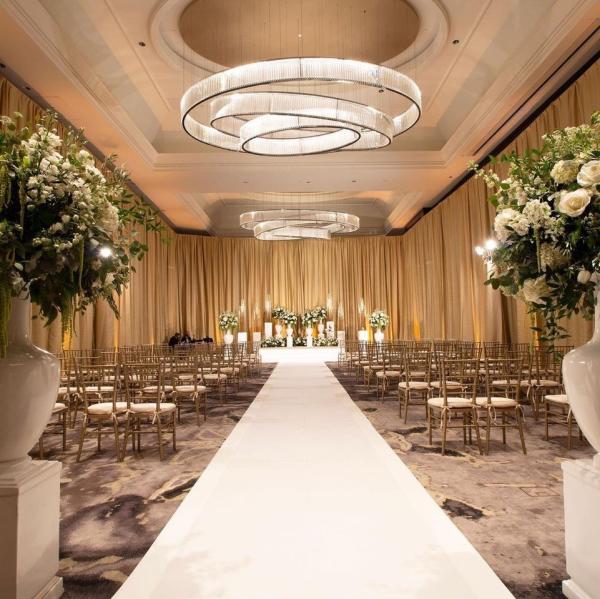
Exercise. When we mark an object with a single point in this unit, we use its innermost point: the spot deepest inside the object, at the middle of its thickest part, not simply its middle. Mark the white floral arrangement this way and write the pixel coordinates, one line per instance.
(307, 319)
(228, 321)
(278, 313)
(273, 342)
(548, 225)
(67, 226)
(319, 313)
(289, 319)
(324, 342)
(379, 319)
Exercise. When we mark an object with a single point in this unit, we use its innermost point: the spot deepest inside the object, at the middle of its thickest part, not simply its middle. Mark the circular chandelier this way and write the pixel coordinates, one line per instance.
(232, 110)
(302, 223)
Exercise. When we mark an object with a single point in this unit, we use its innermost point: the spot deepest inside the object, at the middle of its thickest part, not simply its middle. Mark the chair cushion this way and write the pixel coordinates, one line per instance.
(546, 383)
(497, 402)
(230, 369)
(58, 407)
(189, 388)
(453, 384)
(562, 399)
(373, 367)
(421, 385)
(106, 407)
(213, 376)
(150, 408)
(99, 389)
(504, 382)
(65, 390)
(154, 389)
(453, 402)
(395, 374)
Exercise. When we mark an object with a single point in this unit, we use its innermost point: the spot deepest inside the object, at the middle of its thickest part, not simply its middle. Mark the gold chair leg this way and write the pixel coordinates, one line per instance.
(82, 436)
(488, 430)
(174, 435)
(546, 415)
(406, 404)
(475, 418)
(116, 431)
(519, 417)
(429, 421)
(159, 433)
(444, 430)
(64, 430)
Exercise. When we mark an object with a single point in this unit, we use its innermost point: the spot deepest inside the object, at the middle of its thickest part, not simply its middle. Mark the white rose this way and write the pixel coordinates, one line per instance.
(535, 289)
(110, 278)
(573, 203)
(65, 218)
(589, 174)
(595, 278)
(583, 276)
(537, 213)
(565, 171)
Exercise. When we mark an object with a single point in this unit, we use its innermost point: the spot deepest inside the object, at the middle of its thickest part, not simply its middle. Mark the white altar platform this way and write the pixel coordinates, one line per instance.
(305, 500)
(299, 355)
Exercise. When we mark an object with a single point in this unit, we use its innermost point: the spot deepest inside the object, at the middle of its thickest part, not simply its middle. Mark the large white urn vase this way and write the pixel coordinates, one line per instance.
(29, 378)
(228, 337)
(378, 336)
(581, 373)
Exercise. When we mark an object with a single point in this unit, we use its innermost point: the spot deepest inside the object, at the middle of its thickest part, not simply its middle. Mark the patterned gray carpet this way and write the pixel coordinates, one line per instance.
(508, 505)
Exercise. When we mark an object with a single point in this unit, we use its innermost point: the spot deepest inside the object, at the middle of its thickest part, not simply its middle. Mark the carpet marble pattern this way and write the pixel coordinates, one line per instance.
(112, 512)
(508, 505)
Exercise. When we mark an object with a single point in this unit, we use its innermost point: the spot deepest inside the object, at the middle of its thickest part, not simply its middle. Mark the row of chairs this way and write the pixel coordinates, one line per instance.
(474, 383)
(143, 389)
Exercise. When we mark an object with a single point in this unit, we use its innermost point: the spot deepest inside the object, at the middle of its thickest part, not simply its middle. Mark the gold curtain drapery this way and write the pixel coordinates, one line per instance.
(429, 280)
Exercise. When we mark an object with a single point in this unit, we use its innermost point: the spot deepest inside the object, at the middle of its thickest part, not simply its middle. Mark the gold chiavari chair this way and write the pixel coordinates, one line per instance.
(374, 363)
(391, 370)
(502, 411)
(148, 411)
(544, 376)
(101, 404)
(458, 399)
(557, 410)
(212, 375)
(417, 373)
(55, 427)
(186, 376)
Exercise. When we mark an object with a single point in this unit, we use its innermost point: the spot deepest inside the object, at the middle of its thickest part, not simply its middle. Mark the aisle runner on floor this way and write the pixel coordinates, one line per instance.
(305, 500)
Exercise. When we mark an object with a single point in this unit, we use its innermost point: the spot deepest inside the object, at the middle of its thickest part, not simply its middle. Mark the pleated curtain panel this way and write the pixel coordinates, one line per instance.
(429, 280)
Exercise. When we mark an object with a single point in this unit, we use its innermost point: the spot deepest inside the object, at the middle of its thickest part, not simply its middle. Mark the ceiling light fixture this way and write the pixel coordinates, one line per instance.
(286, 224)
(233, 110)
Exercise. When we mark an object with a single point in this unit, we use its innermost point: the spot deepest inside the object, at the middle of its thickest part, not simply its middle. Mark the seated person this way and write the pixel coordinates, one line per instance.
(175, 340)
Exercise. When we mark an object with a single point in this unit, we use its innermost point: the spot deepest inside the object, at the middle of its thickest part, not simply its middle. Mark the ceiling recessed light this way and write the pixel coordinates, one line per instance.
(27, 88)
(244, 181)
(2, 65)
(142, 44)
(299, 35)
(353, 180)
(449, 176)
(456, 42)
(308, 181)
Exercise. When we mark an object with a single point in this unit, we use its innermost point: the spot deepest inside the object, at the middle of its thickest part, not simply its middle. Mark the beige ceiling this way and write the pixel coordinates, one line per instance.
(232, 32)
(83, 57)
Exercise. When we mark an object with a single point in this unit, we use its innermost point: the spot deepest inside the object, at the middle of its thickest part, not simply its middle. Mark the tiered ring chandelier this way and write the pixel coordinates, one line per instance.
(301, 223)
(233, 110)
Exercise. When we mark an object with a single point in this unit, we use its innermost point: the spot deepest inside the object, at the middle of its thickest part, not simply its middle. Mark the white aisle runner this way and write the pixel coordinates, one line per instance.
(306, 500)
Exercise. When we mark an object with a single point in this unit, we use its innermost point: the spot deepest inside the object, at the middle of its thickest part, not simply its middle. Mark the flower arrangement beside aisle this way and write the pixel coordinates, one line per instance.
(273, 342)
(307, 319)
(324, 342)
(548, 225)
(67, 227)
(319, 313)
(289, 319)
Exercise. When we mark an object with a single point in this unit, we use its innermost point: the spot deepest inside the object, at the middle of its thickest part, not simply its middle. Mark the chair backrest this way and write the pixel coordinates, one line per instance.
(144, 382)
(97, 382)
(459, 377)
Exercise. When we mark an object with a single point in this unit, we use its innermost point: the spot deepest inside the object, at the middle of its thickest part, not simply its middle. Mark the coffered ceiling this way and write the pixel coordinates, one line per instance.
(119, 68)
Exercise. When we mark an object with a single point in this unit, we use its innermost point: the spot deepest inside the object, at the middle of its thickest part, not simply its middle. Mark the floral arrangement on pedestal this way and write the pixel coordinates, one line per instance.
(319, 313)
(228, 321)
(278, 313)
(379, 320)
(289, 319)
(548, 226)
(307, 319)
(67, 227)
(299, 341)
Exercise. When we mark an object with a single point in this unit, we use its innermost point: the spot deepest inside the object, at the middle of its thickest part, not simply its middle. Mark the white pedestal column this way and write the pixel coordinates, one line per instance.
(29, 521)
(582, 528)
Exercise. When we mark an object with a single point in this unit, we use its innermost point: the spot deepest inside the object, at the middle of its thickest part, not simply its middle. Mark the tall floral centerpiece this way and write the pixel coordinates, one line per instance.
(289, 319)
(548, 255)
(379, 320)
(67, 239)
(228, 321)
(277, 314)
(308, 321)
(320, 314)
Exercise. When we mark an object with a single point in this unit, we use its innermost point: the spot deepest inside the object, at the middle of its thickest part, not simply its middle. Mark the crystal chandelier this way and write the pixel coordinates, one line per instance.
(301, 223)
(259, 108)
